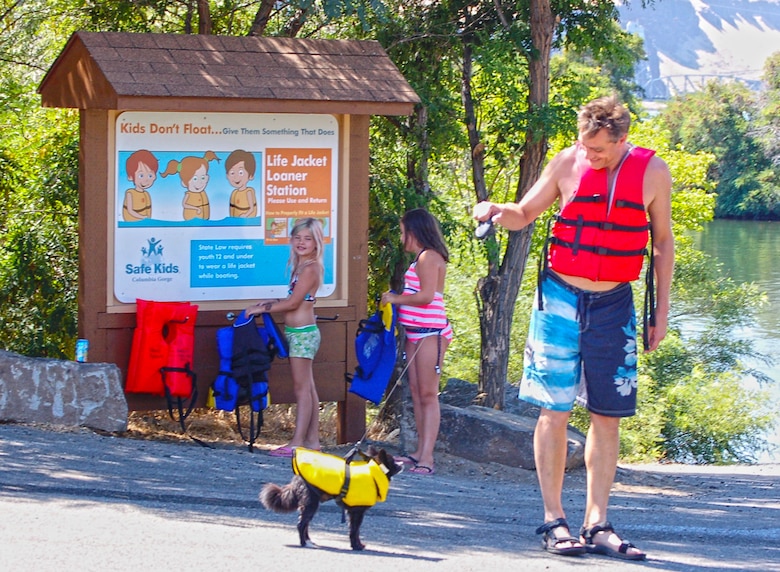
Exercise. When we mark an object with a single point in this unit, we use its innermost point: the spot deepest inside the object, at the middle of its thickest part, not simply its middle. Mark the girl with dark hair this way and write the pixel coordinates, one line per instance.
(428, 332)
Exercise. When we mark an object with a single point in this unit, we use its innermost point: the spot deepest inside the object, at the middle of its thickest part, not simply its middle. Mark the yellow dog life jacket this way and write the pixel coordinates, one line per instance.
(366, 481)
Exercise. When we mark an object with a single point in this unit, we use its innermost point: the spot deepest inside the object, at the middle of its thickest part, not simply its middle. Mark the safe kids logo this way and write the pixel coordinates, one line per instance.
(152, 262)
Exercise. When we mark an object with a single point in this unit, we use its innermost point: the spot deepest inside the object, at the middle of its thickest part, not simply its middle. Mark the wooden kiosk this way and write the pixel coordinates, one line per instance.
(298, 109)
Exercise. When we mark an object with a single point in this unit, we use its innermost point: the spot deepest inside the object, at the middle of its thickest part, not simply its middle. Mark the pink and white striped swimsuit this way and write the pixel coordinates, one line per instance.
(423, 321)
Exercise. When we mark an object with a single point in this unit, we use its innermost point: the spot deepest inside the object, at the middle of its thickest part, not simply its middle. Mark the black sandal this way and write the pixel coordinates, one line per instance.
(607, 550)
(550, 542)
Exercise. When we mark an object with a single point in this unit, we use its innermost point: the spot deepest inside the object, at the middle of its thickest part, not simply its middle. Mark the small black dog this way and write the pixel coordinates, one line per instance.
(370, 479)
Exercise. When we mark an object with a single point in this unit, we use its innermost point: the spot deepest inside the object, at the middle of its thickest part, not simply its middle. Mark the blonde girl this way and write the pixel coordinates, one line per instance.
(300, 328)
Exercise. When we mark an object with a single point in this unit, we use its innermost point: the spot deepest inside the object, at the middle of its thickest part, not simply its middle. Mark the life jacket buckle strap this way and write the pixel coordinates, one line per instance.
(622, 203)
(597, 198)
(578, 235)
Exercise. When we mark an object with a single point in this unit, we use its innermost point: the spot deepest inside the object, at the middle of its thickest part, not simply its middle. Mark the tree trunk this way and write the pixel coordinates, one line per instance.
(204, 18)
(417, 156)
(476, 146)
(497, 292)
(262, 16)
(294, 24)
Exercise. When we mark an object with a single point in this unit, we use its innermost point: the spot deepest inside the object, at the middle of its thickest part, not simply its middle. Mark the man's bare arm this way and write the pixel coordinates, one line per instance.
(544, 192)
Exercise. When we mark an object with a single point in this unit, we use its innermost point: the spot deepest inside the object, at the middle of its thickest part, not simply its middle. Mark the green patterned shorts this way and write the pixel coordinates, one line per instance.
(304, 341)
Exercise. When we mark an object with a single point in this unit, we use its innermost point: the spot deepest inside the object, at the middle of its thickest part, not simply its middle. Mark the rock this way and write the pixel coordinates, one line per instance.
(61, 392)
(485, 435)
(461, 393)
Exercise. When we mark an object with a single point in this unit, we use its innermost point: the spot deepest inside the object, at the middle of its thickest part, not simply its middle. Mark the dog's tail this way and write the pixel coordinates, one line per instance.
(279, 499)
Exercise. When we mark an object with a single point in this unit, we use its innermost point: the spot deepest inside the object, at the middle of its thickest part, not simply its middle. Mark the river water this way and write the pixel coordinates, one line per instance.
(749, 251)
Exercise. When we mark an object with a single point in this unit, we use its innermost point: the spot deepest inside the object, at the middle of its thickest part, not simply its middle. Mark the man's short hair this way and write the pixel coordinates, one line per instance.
(604, 113)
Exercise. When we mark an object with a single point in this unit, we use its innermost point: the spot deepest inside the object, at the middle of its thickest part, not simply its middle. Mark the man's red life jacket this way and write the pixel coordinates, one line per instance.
(593, 241)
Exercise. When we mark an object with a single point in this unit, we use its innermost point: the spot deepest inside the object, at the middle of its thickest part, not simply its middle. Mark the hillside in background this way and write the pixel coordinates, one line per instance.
(703, 37)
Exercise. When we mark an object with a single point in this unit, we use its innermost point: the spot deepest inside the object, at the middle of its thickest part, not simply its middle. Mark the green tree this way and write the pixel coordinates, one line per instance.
(768, 122)
(419, 37)
(722, 119)
(38, 187)
(39, 250)
(291, 18)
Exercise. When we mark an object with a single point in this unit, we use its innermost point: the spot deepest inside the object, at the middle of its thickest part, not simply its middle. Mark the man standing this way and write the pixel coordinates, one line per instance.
(582, 336)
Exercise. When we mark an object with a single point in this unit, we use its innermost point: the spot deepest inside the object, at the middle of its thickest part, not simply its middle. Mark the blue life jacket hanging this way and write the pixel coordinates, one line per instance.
(277, 343)
(245, 355)
(245, 358)
(376, 351)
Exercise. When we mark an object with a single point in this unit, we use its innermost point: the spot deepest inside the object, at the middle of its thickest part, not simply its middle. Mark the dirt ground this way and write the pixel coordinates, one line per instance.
(219, 429)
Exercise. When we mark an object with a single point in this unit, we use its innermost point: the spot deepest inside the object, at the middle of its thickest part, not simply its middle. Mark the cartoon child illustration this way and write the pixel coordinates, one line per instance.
(141, 168)
(240, 169)
(194, 175)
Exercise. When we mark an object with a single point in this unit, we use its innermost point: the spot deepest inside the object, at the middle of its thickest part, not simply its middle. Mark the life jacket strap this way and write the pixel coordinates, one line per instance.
(580, 223)
(600, 250)
(345, 486)
(648, 316)
(620, 203)
(543, 265)
(598, 198)
(186, 370)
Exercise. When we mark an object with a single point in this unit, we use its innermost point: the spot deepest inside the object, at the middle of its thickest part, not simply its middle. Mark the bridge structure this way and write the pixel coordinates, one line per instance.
(666, 87)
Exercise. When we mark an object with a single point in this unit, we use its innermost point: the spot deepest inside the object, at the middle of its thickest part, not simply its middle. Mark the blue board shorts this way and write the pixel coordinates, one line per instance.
(303, 341)
(581, 347)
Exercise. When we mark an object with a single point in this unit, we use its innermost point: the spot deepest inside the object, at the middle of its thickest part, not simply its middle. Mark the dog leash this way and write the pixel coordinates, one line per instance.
(357, 448)
(359, 443)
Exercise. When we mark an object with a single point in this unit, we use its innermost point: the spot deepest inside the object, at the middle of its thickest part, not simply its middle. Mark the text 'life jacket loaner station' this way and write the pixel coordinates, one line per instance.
(197, 154)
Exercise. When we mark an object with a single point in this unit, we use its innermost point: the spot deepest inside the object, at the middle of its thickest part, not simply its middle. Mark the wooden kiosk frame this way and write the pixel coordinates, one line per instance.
(104, 74)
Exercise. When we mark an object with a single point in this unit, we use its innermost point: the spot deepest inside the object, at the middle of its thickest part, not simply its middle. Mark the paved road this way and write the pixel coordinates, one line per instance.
(79, 501)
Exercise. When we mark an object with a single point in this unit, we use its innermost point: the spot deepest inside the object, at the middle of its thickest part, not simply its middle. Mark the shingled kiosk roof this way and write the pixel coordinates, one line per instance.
(129, 71)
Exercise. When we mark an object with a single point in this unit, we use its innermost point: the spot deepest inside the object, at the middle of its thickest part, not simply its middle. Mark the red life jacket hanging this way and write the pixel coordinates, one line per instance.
(162, 350)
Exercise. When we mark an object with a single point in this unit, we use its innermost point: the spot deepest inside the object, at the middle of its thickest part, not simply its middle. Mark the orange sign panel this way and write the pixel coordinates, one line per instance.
(297, 185)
